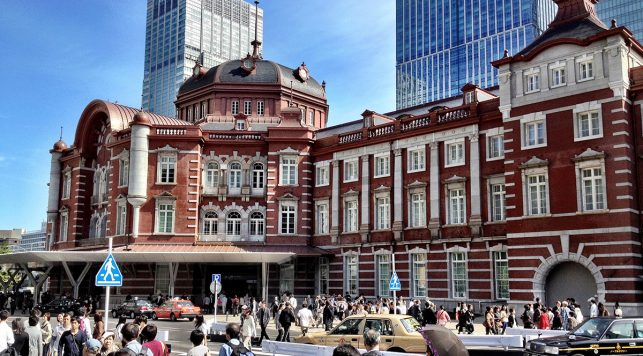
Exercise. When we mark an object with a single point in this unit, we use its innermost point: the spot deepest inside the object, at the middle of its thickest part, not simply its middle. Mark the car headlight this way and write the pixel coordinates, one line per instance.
(551, 350)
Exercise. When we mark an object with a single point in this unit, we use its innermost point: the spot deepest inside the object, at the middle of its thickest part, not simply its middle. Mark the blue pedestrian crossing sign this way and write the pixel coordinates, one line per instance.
(216, 277)
(109, 275)
(394, 284)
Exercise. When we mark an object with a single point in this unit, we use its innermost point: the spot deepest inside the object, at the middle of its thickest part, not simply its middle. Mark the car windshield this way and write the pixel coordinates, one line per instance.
(142, 302)
(410, 324)
(592, 327)
(184, 304)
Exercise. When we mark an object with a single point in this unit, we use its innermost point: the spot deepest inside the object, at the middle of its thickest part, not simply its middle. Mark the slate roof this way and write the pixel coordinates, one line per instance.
(581, 30)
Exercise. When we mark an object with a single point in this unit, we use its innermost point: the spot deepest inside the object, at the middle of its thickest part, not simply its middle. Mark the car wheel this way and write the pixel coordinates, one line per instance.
(132, 315)
(172, 317)
(396, 349)
(154, 317)
(191, 319)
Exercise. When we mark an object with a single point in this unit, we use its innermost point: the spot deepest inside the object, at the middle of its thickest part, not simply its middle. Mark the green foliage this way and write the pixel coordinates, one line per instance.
(4, 248)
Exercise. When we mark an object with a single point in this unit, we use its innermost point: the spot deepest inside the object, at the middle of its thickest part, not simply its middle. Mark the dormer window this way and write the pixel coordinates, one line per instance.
(241, 125)
(469, 97)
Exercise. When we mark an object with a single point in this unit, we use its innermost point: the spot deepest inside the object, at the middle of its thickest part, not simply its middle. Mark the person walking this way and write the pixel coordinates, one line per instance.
(233, 346)
(21, 338)
(199, 324)
(47, 333)
(286, 319)
(372, 343)
(442, 316)
(263, 318)
(248, 328)
(35, 336)
(157, 347)
(63, 324)
(131, 345)
(199, 348)
(6, 334)
(72, 340)
(108, 344)
(305, 317)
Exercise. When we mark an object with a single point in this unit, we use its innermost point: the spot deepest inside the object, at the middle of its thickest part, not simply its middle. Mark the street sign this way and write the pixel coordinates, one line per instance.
(109, 274)
(216, 277)
(394, 284)
(215, 287)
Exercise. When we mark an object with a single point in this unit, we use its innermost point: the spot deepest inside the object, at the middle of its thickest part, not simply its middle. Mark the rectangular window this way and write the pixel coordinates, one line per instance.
(66, 185)
(417, 210)
(497, 199)
(382, 166)
(203, 110)
(324, 275)
(383, 274)
(121, 217)
(288, 218)
(351, 270)
(455, 205)
(536, 194)
(416, 160)
(533, 83)
(558, 77)
(495, 147)
(469, 97)
(123, 173)
(257, 176)
(165, 217)
(418, 274)
(162, 278)
(593, 196)
(382, 213)
(247, 107)
(287, 277)
(241, 125)
(534, 133)
(235, 107)
(588, 125)
(350, 171)
(454, 154)
(260, 108)
(501, 273)
(322, 218)
(288, 170)
(585, 70)
(167, 168)
(311, 118)
(64, 225)
(321, 176)
(458, 275)
(350, 216)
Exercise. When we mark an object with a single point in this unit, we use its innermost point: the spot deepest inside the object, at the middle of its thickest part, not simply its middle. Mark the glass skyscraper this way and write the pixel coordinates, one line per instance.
(180, 32)
(444, 44)
(626, 12)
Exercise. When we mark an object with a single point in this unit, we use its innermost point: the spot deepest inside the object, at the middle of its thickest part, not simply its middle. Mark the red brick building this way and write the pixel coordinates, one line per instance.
(529, 193)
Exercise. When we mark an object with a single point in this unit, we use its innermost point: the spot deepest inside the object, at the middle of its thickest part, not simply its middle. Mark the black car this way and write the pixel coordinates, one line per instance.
(596, 336)
(134, 308)
(61, 305)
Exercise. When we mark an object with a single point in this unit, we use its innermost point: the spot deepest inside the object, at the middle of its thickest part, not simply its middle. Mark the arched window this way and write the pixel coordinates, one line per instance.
(92, 227)
(235, 175)
(256, 224)
(103, 226)
(257, 176)
(212, 175)
(233, 224)
(102, 186)
(210, 222)
(98, 227)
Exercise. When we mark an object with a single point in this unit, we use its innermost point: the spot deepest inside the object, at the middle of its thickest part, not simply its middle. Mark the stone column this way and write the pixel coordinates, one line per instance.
(398, 224)
(334, 226)
(139, 151)
(364, 226)
(475, 221)
(434, 190)
(54, 192)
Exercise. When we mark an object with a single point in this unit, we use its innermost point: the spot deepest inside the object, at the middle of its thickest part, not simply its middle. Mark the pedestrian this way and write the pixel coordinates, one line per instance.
(122, 320)
(72, 340)
(488, 321)
(200, 324)
(618, 313)
(157, 347)
(233, 346)
(345, 350)
(372, 343)
(504, 318)
(543, 322)
(63, 324)
(602, 311)
(526, 319)
(278, 326)
(35, 336)
(442, 316)
(305, 317)
(206, 303)
(85, 325)
(263, 319)
(571, 321)
(428, 315)
(328, 315)
(248, 328)
(99, 326)
(21, 338)
(6, 334)
(593, 308)
(286, 319)
(92, 347)
(47, 333)
(511, 318)
(414, 311)
(199, 348)
(578, 314)
(108, 344)
(223, 300)
(141, 322)
(235, 305)
(130, 333)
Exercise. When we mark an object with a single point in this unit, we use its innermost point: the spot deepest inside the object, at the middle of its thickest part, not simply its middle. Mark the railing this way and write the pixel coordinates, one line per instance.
(453, 114)
(415, 123)
(350, 137)
(171, 132)
(381, 130)
(221, 136)
(291, 348)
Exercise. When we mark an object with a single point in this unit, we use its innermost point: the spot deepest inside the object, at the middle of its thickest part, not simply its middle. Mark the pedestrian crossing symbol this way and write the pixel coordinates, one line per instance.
(109, 275)
(394, 284)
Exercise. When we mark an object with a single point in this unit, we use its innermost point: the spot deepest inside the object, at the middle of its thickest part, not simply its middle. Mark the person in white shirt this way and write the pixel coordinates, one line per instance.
(579, 314)
(6, 334)
(593, 309)
(293, 302)
(305, 317)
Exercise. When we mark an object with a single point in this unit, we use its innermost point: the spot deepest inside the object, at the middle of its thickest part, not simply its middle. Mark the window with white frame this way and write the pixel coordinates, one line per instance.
(235, 107)
(288, 170)
(350, 170)
(123, 172)
(322, 174)
(257, 224)
(592, 188)
(324, 275)
(351, 271)
(469, 97)
(382, 211)
(66, 185)
(212, 175)
(197, 111)
(557, 73)
(233, 224)
(203, 110)
(458, 274)
(454, 153)
(121, 217)
(167, 169)
(495, 147)
(497, 207)
(321, 217)
(260, 108)
(287, 217)
(415, 160)
(417, 208)
(585, 70)
(64, 225)
(382, 165)
(162, 278)
(383, 264)
(350, 214)
(532, 82)
(240, 125)
(210, 225)
(418, 274)
(165, 216)
(588, 125)
(311, 118)
(537, 194)
(234, 175)
(257, 176)
(247, 107)
(455, 205)
(534, 133)
(501, 274)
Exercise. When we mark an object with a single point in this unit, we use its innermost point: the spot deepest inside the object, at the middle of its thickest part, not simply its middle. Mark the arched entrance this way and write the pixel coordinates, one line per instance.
(569, 279)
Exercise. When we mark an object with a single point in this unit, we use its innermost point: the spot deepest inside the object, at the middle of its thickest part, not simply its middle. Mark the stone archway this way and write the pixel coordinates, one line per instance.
(579, 272)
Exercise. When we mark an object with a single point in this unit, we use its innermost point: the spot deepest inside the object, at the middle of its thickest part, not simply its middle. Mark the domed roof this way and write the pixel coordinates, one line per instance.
(59, 146)
(265, 72)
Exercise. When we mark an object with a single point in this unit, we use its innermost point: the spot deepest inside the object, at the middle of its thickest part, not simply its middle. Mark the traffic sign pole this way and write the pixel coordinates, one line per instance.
(394, 291)
(107, 293)
(215, 301)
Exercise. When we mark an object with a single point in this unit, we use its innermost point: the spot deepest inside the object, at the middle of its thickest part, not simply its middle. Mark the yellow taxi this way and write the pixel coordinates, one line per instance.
(399, 333)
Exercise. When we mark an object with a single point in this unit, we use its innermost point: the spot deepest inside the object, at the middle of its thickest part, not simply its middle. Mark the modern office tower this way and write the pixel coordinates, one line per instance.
(444, 44)
(180, 32)
(625, 12)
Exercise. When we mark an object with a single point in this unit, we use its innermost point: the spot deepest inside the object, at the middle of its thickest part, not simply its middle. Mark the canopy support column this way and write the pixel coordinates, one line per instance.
(76, 282)
(174, 270)
(264, 281)
(37, 283)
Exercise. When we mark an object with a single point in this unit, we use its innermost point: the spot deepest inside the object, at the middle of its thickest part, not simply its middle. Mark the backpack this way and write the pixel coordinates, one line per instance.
(284, 317)
(9, 351)
(239, 350)
(131, 352)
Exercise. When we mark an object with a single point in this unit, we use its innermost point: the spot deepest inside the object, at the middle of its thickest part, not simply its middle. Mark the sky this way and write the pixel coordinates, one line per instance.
(57, 56)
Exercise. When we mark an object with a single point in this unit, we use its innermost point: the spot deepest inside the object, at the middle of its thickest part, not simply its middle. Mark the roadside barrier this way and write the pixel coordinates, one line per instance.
(502, 341)
(290, 348)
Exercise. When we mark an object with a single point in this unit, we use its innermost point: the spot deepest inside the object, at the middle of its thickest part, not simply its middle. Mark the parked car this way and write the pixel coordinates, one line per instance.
(134, 308)
(596, 336)
(399, 333)
(61, 305)
(176, 309)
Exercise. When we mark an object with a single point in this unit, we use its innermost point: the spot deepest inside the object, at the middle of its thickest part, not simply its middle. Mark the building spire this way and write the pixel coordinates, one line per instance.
(576, 10)
(61, 133)
(256, 43)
